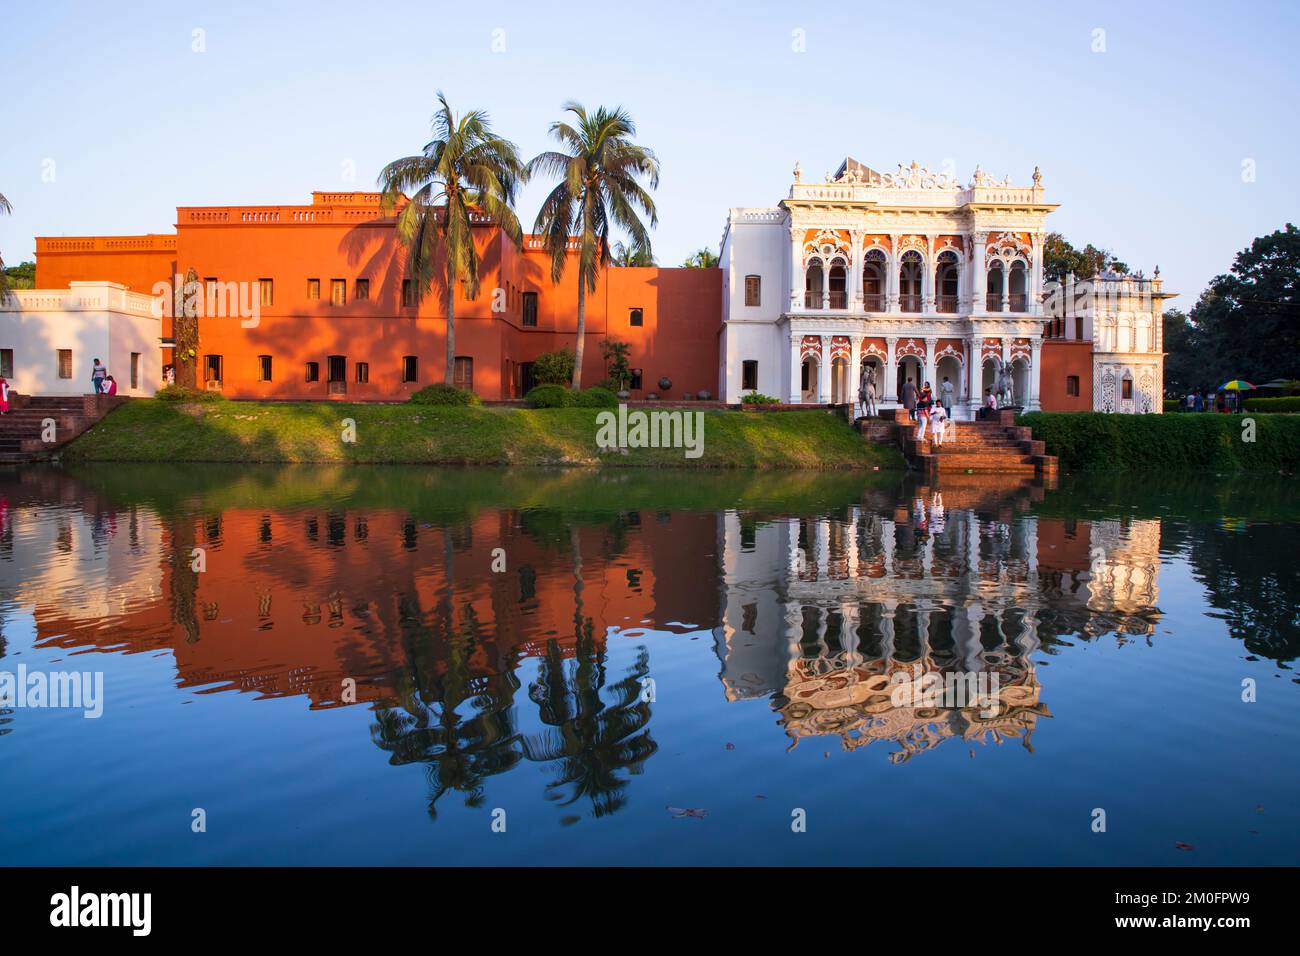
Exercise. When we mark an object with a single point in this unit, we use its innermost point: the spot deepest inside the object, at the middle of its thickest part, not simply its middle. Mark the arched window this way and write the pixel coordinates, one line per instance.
(910, 272)
(873, 282)
(813, 285)
(838, 279)
(1019, 289)
(946, 282)
(993, 300)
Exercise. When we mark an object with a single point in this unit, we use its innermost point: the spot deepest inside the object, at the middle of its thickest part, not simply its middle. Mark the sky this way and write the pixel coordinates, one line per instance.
(1167, 133)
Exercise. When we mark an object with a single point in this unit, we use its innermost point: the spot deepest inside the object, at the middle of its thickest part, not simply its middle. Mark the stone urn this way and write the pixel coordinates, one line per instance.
(704, 395)
(665, 383)
(624, 394)
(652, 396)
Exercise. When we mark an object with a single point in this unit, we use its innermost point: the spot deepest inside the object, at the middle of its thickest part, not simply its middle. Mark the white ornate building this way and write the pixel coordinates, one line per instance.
(915, 276)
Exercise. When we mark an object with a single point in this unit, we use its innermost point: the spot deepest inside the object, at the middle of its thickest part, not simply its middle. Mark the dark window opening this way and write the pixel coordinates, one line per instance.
(530, 310)
(749, 375)
(410, 366)
(264, 368)
(313, 371)
(635, 317)
(363, 372)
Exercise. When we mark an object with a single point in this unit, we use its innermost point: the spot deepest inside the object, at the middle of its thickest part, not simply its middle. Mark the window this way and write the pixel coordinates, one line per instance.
(408, 292)
(410, 368)
(313, 288)
(313, 371)
(212, 368)
(1072, 385)
(135, 369)
(65, 363)
(266, 291)
(635, 384)
(462, 375)
(363, 372)
(337, 368)
(753, 290)
(635, 317)
(749, 375)
(526, 380)
(6, 363)
(338, 291)
(530, 310)
(264, 368)
(1126, 389)
(362, 290)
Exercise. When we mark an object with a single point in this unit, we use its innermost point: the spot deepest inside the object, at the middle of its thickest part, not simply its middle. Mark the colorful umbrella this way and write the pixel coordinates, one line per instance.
(1236, 385)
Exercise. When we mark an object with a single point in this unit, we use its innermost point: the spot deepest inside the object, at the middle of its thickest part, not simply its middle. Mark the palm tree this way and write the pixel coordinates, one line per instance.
(627, 256)
(4, 276)
(704, 259)
(465, 171)
(598, 190)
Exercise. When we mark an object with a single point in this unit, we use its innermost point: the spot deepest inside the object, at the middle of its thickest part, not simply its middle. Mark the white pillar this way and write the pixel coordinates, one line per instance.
(1036, 302)
(927, 282)
(853, 281)
(797, 278)
(977, 284)
(824, 371)
(1035, 373)
(975, 396)
(855, 371)
(891, 277)
(796, 369)
(930, 369)
(889, 388)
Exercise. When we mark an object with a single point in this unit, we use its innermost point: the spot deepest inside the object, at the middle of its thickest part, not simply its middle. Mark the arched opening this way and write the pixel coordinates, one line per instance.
(838, 279)
(1020, 380)
(909, 368)
(873, 367)
(910, 272)
(945, 283)
(1019, 287)
(993, 288)
(873, 282)
(948, 367)
(808, 379)
(840, 382)
(813, 278)
(989, 379)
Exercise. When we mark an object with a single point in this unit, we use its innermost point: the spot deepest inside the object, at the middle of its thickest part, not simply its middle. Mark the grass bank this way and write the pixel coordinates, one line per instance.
(226, 431)
(1208, 442)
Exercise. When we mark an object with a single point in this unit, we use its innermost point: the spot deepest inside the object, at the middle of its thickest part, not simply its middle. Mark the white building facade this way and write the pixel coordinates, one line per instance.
(902, 276)
(50, 338)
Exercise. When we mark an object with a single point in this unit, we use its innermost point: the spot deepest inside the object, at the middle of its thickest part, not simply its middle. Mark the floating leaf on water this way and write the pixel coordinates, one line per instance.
(1183, 846)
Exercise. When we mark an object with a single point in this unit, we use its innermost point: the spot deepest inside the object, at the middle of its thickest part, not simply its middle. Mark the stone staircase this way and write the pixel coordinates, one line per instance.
(23, 428)
(994, 447)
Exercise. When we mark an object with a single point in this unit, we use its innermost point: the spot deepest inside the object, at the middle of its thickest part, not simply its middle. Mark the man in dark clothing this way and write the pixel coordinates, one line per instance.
(909, 399)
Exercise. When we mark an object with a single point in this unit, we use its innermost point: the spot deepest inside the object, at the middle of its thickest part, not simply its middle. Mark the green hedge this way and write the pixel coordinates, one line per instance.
(1094, 441)
(444, 394)
(183, 393)
(557, 396)
(1290, 403)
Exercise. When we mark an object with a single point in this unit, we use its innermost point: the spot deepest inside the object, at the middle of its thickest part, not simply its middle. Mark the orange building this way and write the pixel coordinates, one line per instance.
(334, 316)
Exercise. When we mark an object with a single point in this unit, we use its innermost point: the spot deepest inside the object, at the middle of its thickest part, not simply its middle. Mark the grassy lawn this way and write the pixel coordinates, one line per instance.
(152, 430)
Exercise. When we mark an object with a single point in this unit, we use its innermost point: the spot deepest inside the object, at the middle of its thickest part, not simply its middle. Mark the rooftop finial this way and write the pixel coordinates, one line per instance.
(798, 171)
(1038, 176)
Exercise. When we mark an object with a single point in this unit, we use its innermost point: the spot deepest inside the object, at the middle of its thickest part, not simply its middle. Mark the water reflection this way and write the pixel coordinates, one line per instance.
(385, 589)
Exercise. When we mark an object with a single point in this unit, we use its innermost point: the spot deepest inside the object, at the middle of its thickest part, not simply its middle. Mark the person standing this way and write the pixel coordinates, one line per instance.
(4, 395)
(97, 375)
(945, 396)
(923, 405)
(909, 399)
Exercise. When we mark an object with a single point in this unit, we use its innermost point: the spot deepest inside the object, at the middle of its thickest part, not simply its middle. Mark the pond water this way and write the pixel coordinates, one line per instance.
(436, 666)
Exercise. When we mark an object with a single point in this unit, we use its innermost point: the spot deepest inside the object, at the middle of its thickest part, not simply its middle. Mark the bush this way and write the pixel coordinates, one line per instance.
(758, 398)
(548, 396)
(1095, 441)
(1290, 403)
(444, 394)
(183, 393)
(1173, 405)
(594, 397)
(553, 368)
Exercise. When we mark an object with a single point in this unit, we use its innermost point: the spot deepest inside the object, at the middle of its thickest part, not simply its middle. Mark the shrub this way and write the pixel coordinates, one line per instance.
(553, 368)
(758, 398)
(594, 397)
(1289, 403)
(1173, 405)
(444, 394)
(548, 396)
(183, 393)
(1088, 441)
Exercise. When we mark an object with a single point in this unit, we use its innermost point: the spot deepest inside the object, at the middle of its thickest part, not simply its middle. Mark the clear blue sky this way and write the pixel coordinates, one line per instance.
(1142, 145)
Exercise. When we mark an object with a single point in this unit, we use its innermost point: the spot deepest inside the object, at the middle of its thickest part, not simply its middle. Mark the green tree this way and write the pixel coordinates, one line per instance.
(1184, 368)
(598, 189)
(1248, 320)
(465, 171)
(617, 368)
(631, 256)
(703, 259)
(553, 368)
(1061, 259)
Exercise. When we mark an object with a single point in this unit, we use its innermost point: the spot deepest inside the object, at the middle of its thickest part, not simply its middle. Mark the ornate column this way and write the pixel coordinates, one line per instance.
(891, 280)
(1006, 287)
(930, 367)
(1035, 373)
(1036, 302)
(889, 388)
(824, 371)
(855, 368)
(853, 281)
(974, 378)
(797, 279)
(795, 391)
(978, 282)
(927, 283)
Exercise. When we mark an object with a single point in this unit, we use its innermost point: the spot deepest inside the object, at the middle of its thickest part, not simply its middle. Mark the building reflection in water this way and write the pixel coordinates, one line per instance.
(826, 615)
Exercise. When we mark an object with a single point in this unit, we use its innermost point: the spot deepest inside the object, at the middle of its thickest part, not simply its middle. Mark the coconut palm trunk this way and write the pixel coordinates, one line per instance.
(450, 372)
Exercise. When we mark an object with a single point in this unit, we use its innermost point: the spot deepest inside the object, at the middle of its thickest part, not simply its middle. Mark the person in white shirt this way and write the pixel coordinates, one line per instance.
(938, 424)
